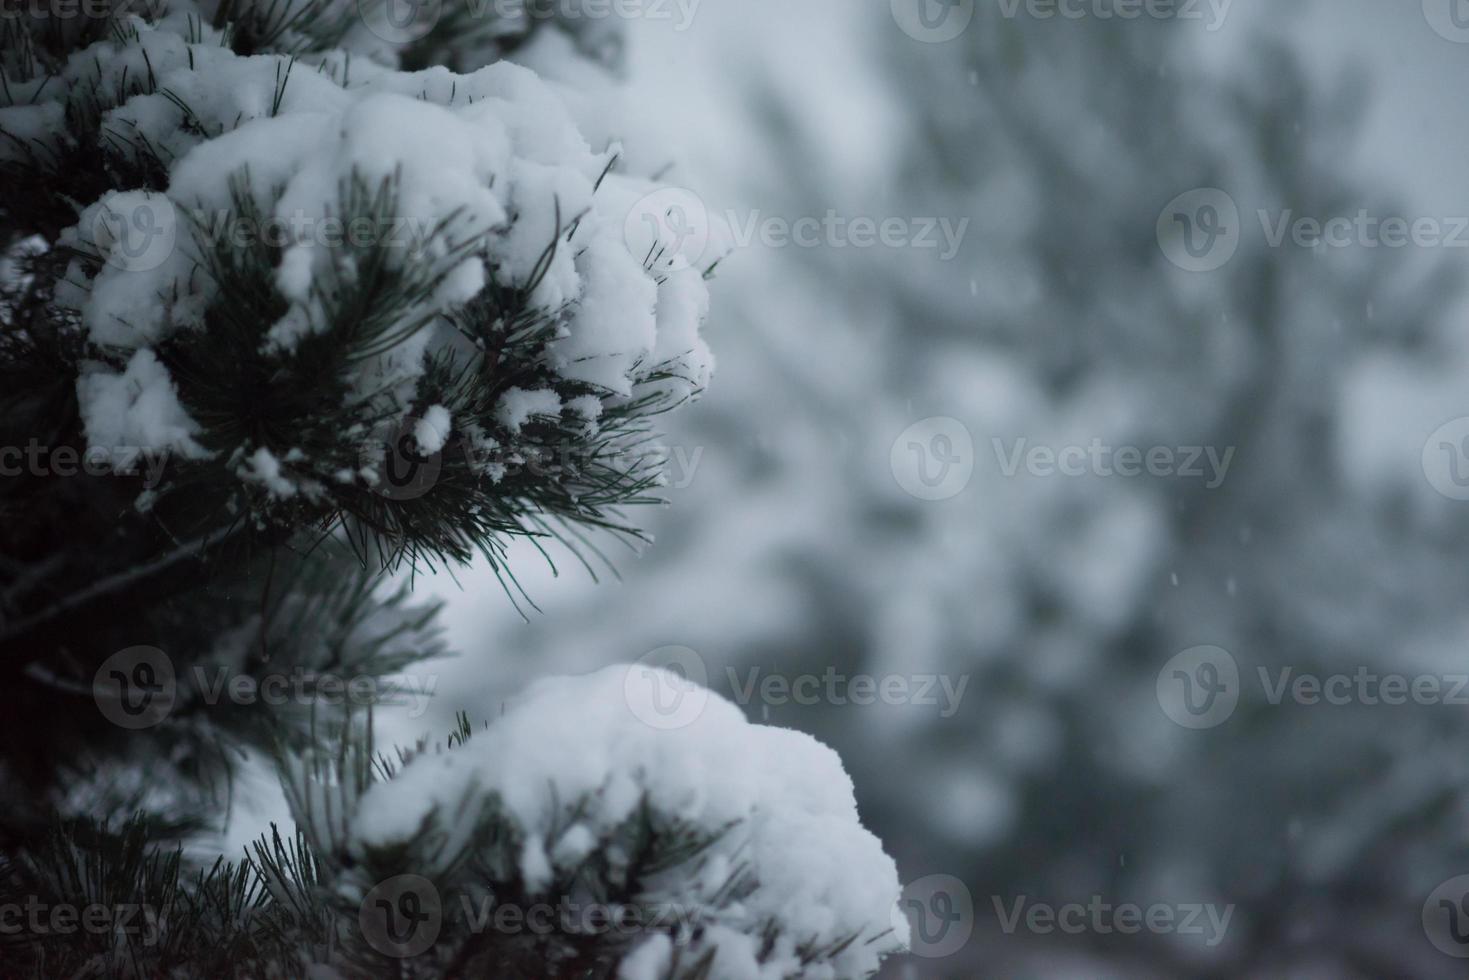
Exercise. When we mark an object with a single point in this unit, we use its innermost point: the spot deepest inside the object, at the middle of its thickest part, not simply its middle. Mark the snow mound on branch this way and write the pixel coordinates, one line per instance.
(820, 876)
(492, 180)
(136, 410)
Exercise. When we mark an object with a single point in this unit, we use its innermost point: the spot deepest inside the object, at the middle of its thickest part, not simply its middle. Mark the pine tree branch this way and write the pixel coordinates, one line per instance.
(13, 634)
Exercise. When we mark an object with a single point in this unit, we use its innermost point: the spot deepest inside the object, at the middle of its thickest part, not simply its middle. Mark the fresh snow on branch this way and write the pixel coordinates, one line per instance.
(745, 837)
(353, 193)
(327, 293)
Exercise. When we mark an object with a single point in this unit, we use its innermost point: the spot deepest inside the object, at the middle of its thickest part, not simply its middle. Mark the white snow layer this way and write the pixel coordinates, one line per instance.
(496, 150)
(820, 875)
(134, 411)
(432, 431)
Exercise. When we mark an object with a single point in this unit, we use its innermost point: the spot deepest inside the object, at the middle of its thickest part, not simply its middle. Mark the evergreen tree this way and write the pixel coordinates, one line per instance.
(297, 293)
(1060, 599)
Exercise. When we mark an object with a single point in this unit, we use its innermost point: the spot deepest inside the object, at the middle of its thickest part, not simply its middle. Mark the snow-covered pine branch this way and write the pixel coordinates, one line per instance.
(317, 291)
(297, 261)
(569, 837)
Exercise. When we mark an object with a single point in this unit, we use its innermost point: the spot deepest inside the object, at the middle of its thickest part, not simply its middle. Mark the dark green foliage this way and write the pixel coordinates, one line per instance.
(229, 579)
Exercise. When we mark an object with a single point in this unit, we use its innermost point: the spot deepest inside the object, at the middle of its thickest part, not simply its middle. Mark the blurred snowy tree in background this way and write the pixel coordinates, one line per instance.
(1316, 376)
